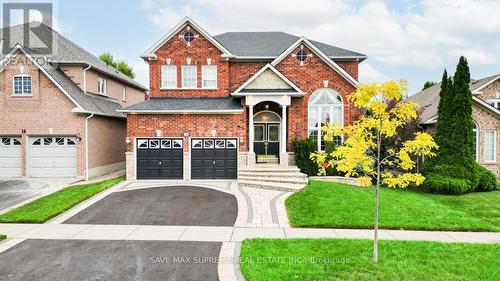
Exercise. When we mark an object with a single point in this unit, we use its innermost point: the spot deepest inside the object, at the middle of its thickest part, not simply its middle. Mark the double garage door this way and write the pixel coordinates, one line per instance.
(162, 158)
(46, 157)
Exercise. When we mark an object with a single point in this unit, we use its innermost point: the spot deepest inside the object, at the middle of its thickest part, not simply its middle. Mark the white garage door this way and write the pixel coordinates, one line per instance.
(52, 157)
(11, 157)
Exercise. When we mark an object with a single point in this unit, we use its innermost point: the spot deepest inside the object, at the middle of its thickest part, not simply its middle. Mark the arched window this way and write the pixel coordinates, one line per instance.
(325, 106)
(475, 132)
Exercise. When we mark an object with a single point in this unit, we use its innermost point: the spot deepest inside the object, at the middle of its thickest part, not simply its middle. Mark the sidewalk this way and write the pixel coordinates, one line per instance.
(225, 234)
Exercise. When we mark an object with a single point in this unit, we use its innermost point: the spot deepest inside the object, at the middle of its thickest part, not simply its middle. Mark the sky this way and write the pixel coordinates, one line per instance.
(411, 40)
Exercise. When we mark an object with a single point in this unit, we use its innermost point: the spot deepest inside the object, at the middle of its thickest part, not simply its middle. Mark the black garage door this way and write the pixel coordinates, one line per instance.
(159, 158)
(214, 158)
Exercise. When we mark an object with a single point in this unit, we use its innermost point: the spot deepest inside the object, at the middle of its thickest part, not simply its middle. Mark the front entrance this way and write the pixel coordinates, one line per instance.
(267, 140)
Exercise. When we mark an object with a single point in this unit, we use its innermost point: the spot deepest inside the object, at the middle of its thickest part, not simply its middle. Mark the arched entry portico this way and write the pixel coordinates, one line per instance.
(267, 129)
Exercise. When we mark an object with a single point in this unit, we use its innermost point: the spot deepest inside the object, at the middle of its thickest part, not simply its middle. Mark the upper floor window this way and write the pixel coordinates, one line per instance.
(22, 85)
(124, 93)
(495, 103)
(169, 76)
(209, 76)
(325, 106)
(101, 86)
(490, 145)
(189, 76)
(188, 36)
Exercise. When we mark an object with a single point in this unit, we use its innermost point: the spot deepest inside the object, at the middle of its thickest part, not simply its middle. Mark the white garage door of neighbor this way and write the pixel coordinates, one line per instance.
(11, 157)
(52, 157)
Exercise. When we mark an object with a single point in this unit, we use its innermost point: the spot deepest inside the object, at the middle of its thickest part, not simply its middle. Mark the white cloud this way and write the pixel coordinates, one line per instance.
(428, 34)
(367, 73)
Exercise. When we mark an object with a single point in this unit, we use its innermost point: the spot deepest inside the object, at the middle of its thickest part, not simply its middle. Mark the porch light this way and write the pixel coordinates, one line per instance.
(266, 106)
(127, 140)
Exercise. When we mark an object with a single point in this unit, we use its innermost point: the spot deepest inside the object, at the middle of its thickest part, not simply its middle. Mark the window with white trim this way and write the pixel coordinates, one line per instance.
(475, 133)
(22, 85)
(495, 103)
(325, 106)
(490, 145)
(101, 86)
(169, 76)
(189, 76)
(124, 93)
(209, 76)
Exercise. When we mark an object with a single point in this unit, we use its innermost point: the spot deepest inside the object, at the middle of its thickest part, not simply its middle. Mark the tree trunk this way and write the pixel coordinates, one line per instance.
(375, 238)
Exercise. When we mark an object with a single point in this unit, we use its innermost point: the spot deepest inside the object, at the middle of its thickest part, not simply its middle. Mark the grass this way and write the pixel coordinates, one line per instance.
(350, 259)
(326, 204)
(45, 208)
(2, 237)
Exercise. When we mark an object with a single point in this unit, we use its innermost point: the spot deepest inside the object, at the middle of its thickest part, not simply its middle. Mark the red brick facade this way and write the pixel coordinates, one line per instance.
(231, 74)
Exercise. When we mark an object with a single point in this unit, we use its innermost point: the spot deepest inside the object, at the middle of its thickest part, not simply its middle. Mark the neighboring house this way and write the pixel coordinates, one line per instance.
(58, 113)
(485, 112)
(235, 99)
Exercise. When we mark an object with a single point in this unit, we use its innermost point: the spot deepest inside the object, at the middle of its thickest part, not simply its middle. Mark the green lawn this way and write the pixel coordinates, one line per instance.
(45, 208)
(350, 259)
(324, 204)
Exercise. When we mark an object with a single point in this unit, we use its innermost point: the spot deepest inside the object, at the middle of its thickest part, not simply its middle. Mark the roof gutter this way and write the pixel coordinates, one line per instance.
(228, 111)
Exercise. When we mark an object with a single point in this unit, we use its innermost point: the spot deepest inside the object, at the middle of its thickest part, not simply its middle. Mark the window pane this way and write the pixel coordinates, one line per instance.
(209, 76)
(313, 117)
(189, 79)
(259, 132)
(273, 133)
(489, 145)
(26, 85)
(169, 76)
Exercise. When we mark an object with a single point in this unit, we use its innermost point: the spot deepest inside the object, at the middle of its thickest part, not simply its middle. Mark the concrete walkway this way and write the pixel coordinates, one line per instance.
(225, 234)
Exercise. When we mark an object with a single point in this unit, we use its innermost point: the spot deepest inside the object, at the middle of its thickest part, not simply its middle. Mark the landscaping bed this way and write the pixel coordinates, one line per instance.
(350, 259)
(2, 237)
(324, 204)
(45, 208)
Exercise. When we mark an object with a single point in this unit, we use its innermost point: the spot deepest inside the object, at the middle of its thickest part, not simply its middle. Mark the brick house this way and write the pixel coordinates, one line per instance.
(235, 99)
(485, 112)
(58, 114)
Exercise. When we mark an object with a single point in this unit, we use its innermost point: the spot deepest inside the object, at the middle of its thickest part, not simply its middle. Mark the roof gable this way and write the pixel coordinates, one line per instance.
(268, 80)
(150, 53)
(320, 54)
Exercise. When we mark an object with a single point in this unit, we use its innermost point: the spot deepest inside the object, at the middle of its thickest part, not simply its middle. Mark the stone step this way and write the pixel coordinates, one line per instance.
(268, 169)
(271, 185)
(272, 174)
(278, 179)
(268, 160)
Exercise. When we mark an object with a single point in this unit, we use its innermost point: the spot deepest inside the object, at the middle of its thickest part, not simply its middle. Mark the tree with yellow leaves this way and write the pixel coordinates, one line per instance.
(360, 155)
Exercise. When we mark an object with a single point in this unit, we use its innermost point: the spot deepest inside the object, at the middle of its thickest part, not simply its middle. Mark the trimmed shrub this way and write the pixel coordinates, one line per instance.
(436, 183)
(487, 180)
(302, 149)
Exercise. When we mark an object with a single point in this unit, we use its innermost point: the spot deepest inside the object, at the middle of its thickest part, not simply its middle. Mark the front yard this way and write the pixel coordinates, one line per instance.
(323, 204)
(45, 208)
(350, 259)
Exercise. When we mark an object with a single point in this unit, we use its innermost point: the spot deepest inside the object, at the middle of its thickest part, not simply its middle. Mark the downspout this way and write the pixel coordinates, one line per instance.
(87, 146)
(85, 78)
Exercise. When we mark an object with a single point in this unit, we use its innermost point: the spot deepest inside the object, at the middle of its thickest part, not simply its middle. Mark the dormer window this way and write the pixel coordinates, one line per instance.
(101, 86)
(188, 36)
(22, 85)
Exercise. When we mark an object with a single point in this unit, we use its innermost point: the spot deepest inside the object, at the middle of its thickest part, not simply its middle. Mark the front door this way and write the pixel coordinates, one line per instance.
(267, 138)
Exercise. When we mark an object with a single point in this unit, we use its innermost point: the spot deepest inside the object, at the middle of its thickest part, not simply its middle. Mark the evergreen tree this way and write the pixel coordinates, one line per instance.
(455, 157)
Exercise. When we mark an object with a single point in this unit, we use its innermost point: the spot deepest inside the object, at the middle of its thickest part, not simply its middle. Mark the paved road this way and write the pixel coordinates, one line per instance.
(176, 205)
(54, 260)
(13, 192)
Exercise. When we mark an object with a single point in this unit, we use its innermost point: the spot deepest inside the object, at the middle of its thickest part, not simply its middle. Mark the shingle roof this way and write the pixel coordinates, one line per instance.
(171, 104)
(429, 98)
(68, 52)
(272, 44)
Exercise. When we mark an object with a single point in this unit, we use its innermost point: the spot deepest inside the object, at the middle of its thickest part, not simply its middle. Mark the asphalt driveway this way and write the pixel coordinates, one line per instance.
(109, 260)
(15, 191)
(176, 205)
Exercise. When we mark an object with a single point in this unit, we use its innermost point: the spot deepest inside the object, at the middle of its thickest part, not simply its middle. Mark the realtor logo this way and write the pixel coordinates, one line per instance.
(31, 34)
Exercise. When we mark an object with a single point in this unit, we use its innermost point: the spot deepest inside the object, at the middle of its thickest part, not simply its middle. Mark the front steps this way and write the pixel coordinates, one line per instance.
(273, 177)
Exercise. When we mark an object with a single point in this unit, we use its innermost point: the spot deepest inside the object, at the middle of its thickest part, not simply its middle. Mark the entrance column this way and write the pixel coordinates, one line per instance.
(283, 143)
(251, 153)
